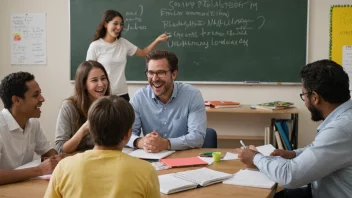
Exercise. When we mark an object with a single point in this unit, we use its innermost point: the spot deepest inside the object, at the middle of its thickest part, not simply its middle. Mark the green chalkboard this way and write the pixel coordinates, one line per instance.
(215, 40)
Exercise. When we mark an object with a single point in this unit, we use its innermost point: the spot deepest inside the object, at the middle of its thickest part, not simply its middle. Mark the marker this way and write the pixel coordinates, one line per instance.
(243, 145)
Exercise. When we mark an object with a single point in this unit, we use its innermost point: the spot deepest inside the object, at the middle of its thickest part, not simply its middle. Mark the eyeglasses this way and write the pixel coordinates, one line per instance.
(302, 94)
(160, 73)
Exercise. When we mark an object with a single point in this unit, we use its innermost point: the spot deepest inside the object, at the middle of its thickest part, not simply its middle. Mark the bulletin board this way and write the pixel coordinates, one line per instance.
(340, 30)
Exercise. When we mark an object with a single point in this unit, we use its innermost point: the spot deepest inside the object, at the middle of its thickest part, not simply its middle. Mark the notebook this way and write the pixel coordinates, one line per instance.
(203, 176)
(266, 150)
(31, 164)
(140, 153)
(250, 178)
(170, 184)
(182, 162)
(181, 181)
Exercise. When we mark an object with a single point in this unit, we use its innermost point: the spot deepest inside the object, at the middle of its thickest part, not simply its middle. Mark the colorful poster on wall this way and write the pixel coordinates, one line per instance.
(28, 39)
(347, 61)
(340, 30)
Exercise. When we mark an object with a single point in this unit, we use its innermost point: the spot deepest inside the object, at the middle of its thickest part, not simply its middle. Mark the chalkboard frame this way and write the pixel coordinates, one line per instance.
(245, 83)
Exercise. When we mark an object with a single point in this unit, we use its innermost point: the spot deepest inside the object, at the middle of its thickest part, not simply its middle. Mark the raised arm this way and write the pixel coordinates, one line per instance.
(143, 52)
(66, 139)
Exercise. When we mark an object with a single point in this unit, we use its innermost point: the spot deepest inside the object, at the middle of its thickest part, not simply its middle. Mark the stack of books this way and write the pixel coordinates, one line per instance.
(273, 105)
(221, 104)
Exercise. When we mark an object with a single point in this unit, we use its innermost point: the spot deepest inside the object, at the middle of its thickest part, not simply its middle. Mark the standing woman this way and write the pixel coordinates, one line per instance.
(111, 50)
(91, 83)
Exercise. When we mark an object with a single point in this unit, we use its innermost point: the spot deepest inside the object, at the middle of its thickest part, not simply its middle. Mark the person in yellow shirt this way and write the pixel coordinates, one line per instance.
(106, 171)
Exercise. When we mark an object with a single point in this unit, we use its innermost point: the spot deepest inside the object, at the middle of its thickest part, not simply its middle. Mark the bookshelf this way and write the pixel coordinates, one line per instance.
(293, 112)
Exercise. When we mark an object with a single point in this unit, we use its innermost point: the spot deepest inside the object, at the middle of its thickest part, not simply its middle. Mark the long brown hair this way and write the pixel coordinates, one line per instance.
(80, 98)
(108, 16)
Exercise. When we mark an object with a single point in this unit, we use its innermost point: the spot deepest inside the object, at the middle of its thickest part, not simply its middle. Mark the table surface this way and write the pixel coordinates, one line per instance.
(36, 188)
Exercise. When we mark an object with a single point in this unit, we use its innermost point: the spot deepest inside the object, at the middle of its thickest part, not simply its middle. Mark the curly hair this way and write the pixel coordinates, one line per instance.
(328, 79)
(14, 84)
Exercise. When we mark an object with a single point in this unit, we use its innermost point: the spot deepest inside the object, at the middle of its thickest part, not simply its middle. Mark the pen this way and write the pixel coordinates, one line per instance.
(244, 146)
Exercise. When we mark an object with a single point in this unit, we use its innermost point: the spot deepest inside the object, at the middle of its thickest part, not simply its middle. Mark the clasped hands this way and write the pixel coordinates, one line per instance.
(152, 143)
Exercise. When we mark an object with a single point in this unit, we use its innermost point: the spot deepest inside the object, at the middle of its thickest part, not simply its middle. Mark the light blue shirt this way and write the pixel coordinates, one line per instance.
(326, 163)
(182, 120)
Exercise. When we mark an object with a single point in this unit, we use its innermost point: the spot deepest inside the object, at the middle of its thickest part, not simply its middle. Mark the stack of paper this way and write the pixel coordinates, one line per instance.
(266, 150)
(250, 178)
(140, 153)
(230, 156)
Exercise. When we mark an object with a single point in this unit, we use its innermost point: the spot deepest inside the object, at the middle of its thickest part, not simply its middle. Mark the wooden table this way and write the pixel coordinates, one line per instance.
(245, 109)
(36, 188)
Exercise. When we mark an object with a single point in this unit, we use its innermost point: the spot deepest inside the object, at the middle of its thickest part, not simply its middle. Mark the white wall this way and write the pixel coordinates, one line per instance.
(54, 77)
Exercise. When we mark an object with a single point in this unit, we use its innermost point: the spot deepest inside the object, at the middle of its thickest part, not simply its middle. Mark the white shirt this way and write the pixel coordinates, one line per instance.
(113, 56)
(17, 147)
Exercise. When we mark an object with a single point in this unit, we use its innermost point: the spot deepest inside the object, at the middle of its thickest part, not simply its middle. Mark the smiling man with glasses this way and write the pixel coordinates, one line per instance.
(325, 164)
(171, 114)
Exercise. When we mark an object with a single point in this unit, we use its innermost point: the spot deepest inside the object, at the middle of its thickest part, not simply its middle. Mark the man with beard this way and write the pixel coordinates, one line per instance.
(171, 114)
(326, 164)
(20, 132)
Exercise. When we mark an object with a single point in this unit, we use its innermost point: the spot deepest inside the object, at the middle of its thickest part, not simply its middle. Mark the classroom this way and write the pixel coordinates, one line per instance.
(56, 84)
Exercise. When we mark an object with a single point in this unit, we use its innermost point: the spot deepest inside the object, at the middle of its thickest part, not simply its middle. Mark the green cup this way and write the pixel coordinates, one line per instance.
(216, 156)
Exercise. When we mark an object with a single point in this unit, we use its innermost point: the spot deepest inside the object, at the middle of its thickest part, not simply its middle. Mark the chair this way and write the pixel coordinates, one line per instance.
(211, 139)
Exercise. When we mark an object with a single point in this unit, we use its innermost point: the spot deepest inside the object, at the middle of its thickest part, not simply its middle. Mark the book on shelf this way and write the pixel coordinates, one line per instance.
(186, 180)
(275, 105)
(282, 129)
(221, 104)
(278, 140)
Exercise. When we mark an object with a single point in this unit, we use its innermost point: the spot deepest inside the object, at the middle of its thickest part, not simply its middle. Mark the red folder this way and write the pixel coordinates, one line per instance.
(182, 162)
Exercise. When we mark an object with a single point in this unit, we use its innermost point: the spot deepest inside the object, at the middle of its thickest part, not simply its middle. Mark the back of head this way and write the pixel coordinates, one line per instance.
(110, 119)
(160, 54)
(328, 79)
(14, 84)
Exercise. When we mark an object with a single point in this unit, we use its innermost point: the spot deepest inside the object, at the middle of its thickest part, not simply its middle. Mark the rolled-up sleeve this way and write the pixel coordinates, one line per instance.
(313, 163)
(196, 124)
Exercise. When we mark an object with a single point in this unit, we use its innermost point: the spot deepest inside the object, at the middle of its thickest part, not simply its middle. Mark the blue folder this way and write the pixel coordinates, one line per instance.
(284, 133)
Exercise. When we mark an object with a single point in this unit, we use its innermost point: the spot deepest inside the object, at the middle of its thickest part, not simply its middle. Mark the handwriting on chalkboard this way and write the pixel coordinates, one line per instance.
(28, 39)
(202, 23)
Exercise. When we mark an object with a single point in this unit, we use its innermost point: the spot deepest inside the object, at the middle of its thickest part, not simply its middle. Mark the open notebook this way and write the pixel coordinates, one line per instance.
(140, 153)
(186, 180)
(31, 164)
(251, 178)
